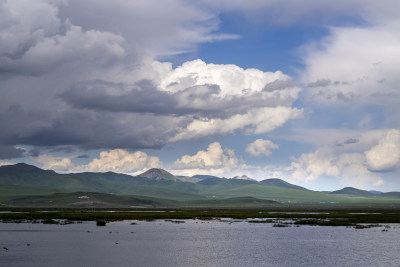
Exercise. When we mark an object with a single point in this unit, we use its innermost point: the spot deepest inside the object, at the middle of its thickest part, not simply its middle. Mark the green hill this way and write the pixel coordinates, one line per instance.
(236, 202)
(390, 195)
(225, 182)
(353, 191)
(87, 199)
(295, 195)
(274, 193)
(202, 177)
(30, 184)
(102, 200)
(280, 183)
(7, 191)
(113, 183)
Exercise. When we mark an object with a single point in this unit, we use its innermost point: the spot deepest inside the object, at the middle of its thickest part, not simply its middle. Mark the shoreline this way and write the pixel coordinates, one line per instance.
(351, 217)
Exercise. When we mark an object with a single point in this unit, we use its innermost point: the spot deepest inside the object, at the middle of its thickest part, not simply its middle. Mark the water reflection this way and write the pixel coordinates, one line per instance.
(195, 243)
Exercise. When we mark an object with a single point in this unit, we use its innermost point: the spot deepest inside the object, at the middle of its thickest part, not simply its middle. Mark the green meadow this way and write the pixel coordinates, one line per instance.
(27, 186)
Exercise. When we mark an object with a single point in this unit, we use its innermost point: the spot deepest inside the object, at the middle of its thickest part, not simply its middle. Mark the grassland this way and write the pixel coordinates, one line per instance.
(23, 185)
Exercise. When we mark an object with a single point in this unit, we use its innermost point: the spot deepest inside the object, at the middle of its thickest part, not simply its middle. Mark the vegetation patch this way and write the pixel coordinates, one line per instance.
(351, 218)
(281, 225)
(101, 223)
(262, 221)
(175, 221)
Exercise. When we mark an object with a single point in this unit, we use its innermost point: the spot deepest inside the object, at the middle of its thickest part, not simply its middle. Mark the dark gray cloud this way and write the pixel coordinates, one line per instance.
(94, 130)
(73, 76)
(10, 152)
(144, 97)
(84, 156)
(99, 114)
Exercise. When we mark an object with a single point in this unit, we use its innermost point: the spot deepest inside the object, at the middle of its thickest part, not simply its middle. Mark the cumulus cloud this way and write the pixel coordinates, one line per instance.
(194, 98)
(231, 79)
(120, 160)
(122, 111)
(214, 160)
(116, 160)
(357, 161)
(261, 147)
(386, 154)
(349, 168)
(92, 74)
(61, 164)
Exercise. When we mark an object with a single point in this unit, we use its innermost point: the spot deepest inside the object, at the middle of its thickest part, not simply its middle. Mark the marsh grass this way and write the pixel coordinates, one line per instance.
(332, 218)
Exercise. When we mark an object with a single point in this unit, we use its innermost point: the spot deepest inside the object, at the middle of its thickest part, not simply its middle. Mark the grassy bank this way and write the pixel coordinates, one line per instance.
(299, 216)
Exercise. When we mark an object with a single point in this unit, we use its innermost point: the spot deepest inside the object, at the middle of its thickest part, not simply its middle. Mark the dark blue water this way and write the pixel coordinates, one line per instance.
(196, 243)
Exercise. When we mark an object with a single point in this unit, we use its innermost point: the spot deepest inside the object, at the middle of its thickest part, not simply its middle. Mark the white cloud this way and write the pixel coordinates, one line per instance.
(246, 99)
(214, 157)
(354, 162)
(385, 155)
(261, 147)
(228, 98)
(255, 121)
(61, 164)
(214, 161)
(231, 79)
(349, 168)
(116, 160)
(120, 160)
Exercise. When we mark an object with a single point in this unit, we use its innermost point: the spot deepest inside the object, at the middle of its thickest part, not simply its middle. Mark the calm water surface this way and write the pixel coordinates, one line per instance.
(195, 243)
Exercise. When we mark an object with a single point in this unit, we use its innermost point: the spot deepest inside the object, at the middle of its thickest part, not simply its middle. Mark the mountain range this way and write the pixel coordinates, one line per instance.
(26, 185)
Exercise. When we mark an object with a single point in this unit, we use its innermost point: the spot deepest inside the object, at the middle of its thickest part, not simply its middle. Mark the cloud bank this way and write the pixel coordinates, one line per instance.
(99, 87)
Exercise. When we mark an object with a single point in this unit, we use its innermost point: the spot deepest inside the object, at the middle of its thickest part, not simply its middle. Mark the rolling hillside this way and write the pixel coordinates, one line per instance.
(24, 183)
(280, 183)
(353, 191)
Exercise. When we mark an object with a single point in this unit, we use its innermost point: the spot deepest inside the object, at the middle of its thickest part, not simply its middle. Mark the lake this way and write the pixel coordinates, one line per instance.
(195, 243)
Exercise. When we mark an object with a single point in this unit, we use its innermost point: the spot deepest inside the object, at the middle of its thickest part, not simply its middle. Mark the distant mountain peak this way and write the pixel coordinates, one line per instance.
(244, 177)
(158, 174)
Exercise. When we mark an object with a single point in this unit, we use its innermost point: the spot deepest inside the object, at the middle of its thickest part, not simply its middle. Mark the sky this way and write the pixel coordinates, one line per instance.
(306, 91)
